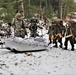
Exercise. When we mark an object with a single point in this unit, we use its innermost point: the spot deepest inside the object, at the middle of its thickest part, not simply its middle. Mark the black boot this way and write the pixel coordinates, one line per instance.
(72, 49)
(65, 48)
(55, 46)
(60, 46)
(49, 42)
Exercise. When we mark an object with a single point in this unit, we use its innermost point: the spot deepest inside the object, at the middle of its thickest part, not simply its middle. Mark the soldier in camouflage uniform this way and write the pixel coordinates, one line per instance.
(58, 35)
(69, 36)
(19, 26)
(51, 34)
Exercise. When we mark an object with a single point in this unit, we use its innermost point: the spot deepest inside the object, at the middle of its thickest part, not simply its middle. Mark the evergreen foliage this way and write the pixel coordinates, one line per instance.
(46, 8)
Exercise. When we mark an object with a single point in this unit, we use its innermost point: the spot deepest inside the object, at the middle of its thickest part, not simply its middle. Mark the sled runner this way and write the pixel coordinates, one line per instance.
(28, 44)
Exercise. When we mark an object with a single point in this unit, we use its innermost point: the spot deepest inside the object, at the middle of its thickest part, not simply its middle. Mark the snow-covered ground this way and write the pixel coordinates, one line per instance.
(50, 62)
(53, 61)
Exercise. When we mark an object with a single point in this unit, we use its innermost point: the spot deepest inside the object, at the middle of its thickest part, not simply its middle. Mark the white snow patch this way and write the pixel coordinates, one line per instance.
(53, 61)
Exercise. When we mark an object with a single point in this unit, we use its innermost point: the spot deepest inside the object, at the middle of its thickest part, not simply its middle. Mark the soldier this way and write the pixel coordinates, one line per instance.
(61, 32)
(58, 35)
(19, 26)
(69, 36)
(33, 27)
(51, 33)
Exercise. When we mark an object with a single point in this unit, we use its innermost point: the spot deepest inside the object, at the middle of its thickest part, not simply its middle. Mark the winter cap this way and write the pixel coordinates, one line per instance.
(18, 15)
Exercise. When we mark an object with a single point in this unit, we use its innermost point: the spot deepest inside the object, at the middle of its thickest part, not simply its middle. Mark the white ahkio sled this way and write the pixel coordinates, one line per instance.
(23, 45)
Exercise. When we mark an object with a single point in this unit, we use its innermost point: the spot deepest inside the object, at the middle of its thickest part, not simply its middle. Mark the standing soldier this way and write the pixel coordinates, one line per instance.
(19, 26)
(33, 27)
(69, 36)
(51, 33)
(61, 32)
(58, 35)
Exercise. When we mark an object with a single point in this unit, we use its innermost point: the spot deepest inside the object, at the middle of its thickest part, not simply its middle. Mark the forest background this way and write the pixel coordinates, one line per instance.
(47, 8)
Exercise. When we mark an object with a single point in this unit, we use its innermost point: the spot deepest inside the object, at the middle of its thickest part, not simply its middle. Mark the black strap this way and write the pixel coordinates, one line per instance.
(23, 24)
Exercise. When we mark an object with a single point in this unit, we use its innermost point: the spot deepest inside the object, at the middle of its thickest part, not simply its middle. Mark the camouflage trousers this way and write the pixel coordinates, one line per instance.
(34, 34)
(20, 33)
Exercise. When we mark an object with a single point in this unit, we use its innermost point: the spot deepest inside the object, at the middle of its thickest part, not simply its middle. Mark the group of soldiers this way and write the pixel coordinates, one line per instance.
(56, 30)
(19, 26)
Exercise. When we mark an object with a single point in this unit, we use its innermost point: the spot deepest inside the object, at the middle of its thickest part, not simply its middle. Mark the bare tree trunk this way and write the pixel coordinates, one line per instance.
(40, 9)
(60, 9)
(22, 6)
(29, 2)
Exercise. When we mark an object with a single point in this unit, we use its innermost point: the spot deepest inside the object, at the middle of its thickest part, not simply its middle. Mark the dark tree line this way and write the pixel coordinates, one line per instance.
(48, 8)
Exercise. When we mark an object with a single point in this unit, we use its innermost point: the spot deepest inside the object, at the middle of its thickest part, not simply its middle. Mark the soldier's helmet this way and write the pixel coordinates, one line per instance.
(18, 15)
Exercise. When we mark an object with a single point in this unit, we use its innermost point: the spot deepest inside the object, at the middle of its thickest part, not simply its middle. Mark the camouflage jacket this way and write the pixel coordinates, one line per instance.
(18, 24)
(51, 31)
